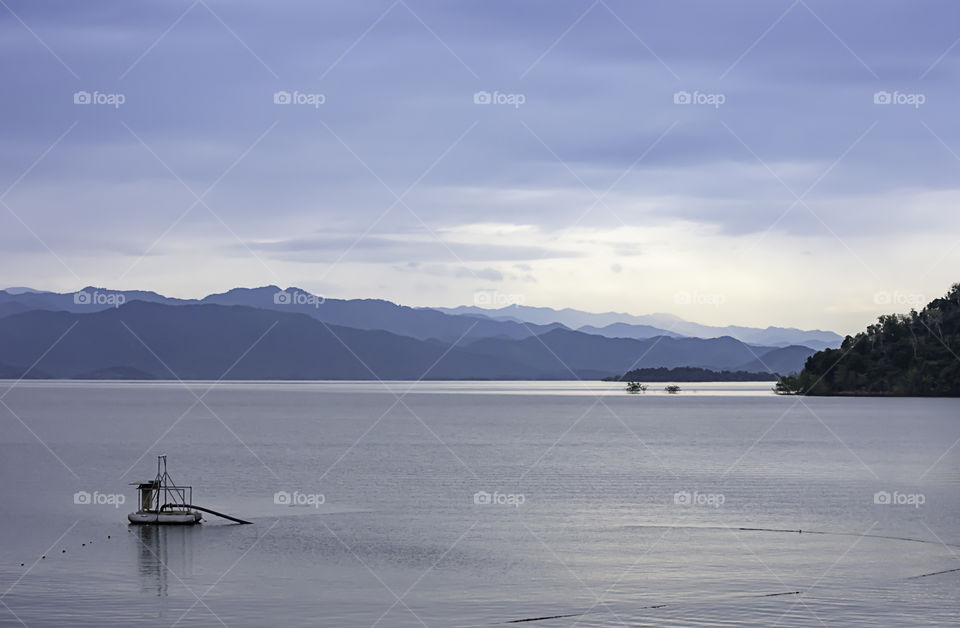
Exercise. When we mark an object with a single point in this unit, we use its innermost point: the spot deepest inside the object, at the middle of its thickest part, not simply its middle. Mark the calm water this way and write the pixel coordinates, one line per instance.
(584, 482)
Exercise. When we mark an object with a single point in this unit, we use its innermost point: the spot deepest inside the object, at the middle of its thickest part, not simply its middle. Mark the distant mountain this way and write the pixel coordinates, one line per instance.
(626, 330)
(785, 336)
(208, 341)
(84, 301)
(783, 361)
(445, 324)
(13, 307)
(573, 319)
(379, 314)
(357, 313)
(596, 356)
(213, 341)
(577, 319)
(22, 372)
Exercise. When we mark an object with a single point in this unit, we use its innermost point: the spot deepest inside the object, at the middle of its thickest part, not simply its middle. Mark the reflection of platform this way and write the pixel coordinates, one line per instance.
(163, 549)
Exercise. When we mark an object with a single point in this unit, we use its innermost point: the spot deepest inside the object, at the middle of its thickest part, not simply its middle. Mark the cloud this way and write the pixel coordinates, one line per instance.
(377, 249)
(537, 194)
(488, 274)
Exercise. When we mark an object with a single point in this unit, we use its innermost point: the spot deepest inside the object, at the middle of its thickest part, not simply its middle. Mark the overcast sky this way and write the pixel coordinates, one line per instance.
(756, 163)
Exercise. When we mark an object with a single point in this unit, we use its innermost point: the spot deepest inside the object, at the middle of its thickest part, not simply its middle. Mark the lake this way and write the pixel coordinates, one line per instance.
(478, 504)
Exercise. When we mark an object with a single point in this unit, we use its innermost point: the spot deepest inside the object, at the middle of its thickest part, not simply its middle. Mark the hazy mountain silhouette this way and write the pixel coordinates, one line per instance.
(626, 330)
(447, 324)
(22, 372)
(585, 353)
(670, 324)
(234, 342)
(784, 360)
(210, 341)
(84, 301)
(373, 314)
(377, 314)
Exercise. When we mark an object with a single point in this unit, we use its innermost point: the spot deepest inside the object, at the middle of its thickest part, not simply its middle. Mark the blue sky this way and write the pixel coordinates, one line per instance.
(758, 163)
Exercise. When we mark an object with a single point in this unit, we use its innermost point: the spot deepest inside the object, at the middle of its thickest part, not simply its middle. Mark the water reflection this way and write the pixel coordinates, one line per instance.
(163, 549)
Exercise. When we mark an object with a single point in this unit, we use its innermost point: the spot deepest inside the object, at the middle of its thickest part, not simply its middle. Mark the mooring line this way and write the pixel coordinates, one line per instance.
(520, 621)
(934, 573)
(796, 531)
(747, 529)
(652, 606)
(869, 536)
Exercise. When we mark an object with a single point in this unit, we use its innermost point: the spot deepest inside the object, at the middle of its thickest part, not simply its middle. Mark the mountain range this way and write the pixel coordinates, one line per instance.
(269, 333)
(359, 313)
(620, 325)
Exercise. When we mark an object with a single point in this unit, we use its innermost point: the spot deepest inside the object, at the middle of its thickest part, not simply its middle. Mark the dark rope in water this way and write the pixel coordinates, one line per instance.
(934, 573)
(799, 531)
(745, 529)
(870, 536)
(520, 621)
(546, 617)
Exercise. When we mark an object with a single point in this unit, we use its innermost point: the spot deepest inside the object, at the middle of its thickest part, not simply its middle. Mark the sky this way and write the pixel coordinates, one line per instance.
(792, 163)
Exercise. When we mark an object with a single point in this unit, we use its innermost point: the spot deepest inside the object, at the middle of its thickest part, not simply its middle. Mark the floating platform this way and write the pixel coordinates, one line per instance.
(162, 502)
(189, 517)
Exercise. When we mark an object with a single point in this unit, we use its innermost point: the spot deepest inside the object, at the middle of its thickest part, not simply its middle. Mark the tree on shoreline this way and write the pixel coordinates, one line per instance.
(913, 354)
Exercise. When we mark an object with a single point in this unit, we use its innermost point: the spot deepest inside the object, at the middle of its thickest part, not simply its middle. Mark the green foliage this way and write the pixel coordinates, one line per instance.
(635, 387)
(915, 354)
(689, 374)
(788, 385)
(672, 389)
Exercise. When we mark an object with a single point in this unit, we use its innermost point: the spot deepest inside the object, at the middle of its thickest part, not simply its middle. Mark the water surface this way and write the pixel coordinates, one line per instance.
(606, 507)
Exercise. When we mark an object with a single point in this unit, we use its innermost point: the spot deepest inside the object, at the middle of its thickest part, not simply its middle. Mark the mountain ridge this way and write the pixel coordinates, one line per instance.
(447, 324)
(214, 341)
(669, 323)
(372, 314)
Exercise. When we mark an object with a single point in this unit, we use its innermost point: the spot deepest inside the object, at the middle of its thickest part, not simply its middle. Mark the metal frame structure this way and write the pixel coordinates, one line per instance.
(162, 494)
(162, 501)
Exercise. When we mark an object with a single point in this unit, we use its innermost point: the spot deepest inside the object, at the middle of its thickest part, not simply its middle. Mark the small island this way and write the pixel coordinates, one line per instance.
(913, 354)
(690, 374)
